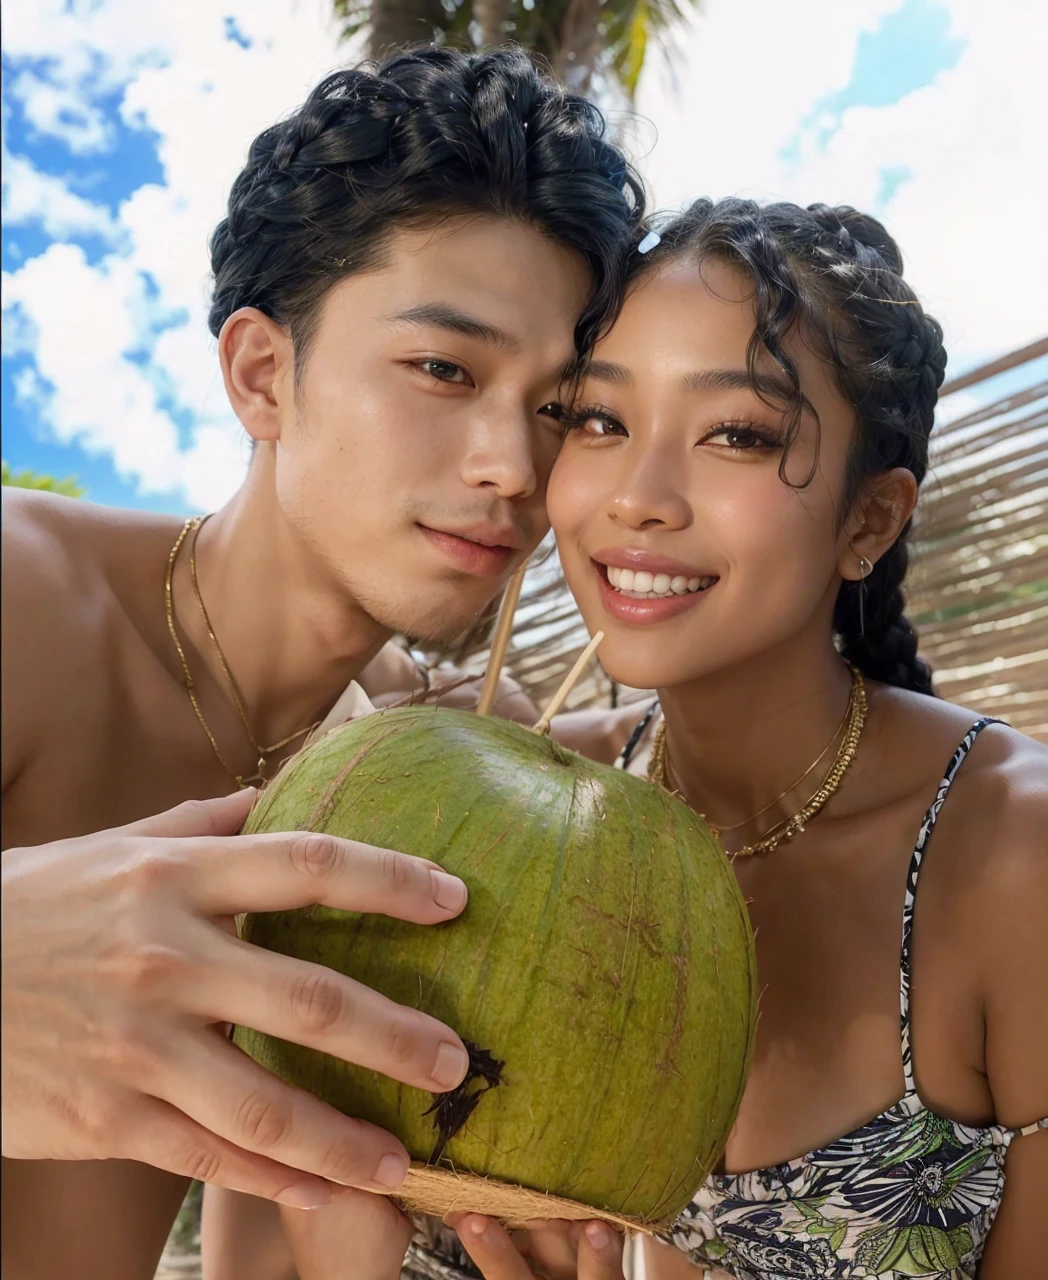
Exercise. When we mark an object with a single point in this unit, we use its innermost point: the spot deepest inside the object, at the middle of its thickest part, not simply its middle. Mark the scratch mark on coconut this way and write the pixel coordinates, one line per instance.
(333, 790)
(451, 1110)
(616, 983)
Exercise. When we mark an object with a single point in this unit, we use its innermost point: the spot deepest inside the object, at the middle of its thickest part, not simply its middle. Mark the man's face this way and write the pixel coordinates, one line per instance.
(414, 454)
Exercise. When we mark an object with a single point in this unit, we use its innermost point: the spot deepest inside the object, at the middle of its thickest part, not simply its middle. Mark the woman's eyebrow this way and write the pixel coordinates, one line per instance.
(763, 384)
(701, 381)
(605, 371)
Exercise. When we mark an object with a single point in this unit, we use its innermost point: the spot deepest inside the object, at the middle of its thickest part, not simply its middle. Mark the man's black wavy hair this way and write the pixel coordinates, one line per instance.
(835, 276)
(422, 136)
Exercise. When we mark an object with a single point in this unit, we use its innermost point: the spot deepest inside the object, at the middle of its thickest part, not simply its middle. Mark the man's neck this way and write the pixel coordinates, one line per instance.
(291, 634)
(740, 737)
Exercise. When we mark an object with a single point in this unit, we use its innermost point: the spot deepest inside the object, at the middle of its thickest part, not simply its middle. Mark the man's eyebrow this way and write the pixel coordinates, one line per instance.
(763, 384)
(439, 315)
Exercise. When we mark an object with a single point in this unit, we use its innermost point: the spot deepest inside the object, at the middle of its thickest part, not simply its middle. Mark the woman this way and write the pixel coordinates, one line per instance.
(732, 503)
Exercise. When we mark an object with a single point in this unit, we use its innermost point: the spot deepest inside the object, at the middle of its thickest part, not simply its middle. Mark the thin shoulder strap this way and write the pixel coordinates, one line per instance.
(923, 836)
(626, 755)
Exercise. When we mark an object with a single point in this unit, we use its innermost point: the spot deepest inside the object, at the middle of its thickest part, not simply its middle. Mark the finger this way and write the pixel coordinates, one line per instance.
(159, 1134)
(251, 1109)
(554, 1246)
(600, 1252)
(490, 1247)
(223, 816)
(312, 1005)
(282, 871)
(368, 1229)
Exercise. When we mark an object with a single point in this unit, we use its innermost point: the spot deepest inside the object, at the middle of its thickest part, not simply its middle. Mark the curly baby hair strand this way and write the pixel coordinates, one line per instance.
(836, 275)
(423, 136)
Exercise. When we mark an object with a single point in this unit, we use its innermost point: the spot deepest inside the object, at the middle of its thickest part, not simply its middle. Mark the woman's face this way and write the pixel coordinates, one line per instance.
(679, 538)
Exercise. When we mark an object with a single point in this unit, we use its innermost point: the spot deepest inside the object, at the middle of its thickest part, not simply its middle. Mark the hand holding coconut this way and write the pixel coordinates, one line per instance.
(121, 971)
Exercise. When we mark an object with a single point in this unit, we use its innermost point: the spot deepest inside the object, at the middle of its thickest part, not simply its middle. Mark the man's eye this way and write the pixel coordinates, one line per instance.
(444, 371)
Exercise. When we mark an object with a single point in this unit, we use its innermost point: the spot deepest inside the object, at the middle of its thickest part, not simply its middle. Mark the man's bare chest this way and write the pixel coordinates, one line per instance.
(122, 749)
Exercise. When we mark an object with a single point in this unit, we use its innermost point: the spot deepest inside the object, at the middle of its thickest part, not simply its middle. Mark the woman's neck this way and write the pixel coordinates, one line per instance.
(737, 739)
(292, 635)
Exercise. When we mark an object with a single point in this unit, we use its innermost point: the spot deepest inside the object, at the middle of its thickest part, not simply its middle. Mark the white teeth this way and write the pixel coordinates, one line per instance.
(643, 585)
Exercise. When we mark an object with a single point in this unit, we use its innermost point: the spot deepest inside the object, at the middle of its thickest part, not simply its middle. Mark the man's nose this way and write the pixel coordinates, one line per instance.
(502, 454)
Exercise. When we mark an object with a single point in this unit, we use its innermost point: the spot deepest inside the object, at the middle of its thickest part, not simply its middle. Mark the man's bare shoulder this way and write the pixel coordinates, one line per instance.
(62, 559)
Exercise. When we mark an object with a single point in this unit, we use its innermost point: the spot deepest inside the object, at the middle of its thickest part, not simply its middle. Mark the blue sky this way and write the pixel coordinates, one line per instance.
(123, 129)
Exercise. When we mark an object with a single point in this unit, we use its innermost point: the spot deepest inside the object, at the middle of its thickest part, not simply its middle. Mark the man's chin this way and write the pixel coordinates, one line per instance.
(433, 625)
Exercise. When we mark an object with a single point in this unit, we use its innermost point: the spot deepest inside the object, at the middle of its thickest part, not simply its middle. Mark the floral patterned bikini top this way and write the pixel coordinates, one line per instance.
(910, 1193)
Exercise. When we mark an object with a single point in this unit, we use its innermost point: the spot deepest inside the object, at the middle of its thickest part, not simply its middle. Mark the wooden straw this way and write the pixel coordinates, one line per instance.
(500, 642)
(567, 685)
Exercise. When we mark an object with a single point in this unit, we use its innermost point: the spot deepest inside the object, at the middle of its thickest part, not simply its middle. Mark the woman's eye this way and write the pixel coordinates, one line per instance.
(742, 437)
(591, 422)
(445, 371)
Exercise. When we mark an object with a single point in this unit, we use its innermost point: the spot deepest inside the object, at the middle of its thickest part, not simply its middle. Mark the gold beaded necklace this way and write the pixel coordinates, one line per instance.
(192, 526)
(660, 769)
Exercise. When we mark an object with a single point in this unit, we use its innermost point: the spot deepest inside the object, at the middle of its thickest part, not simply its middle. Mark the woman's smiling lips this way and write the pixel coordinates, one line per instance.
(483, 551)
(637, 586)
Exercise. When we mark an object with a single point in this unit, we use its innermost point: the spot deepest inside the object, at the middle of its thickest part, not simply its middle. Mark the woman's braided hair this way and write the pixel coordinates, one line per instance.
(835, 276)
(420, 137)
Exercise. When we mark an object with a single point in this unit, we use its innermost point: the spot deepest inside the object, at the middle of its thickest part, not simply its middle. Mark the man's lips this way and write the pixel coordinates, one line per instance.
(482, 550)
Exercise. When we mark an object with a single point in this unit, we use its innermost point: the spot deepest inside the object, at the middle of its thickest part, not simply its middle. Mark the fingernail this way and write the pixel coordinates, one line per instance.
(449, 892)
(476, 1226)
(451, 1065)
(305, 1195)
(598, 1235)
(392, 1170)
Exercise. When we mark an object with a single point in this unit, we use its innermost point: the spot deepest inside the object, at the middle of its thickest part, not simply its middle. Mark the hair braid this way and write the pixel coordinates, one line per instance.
(424, 135)
(837, 274)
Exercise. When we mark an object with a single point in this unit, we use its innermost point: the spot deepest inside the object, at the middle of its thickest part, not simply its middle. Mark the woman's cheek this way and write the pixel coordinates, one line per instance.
(568, 496)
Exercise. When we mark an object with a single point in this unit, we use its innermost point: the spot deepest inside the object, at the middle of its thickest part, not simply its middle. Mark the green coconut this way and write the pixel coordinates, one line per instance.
(602, 973)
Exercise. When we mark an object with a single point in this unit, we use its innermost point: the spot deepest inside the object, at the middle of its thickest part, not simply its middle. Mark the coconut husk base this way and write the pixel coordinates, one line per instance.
(429, 1190)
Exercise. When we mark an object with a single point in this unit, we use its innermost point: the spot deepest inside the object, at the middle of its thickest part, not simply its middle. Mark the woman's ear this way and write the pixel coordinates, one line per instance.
(258, 369)
(878, 517)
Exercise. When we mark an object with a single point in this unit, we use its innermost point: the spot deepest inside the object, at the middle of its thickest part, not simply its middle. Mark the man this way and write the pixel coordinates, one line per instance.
(410, 266)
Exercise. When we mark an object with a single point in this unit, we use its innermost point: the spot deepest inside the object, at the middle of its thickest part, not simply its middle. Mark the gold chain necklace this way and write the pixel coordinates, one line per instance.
(192, 526)
(660, 768)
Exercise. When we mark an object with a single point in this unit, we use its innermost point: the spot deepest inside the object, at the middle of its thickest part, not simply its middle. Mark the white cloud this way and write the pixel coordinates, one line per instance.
(966, 214)
(34, 198)
(205, 97)
(61, 112)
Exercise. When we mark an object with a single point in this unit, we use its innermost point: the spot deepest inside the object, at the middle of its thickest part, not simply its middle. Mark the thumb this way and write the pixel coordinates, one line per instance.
(223, 816)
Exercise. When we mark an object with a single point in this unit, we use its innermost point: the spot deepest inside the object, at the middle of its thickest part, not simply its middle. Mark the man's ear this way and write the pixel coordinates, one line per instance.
(880, 513)
(258, 369)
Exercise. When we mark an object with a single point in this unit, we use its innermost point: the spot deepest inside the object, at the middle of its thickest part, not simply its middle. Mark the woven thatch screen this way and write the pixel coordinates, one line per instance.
(978, 590)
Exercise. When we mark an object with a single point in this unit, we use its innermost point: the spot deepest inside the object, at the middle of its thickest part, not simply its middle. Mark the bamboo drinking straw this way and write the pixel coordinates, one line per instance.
(500, 642)
(567, 685)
